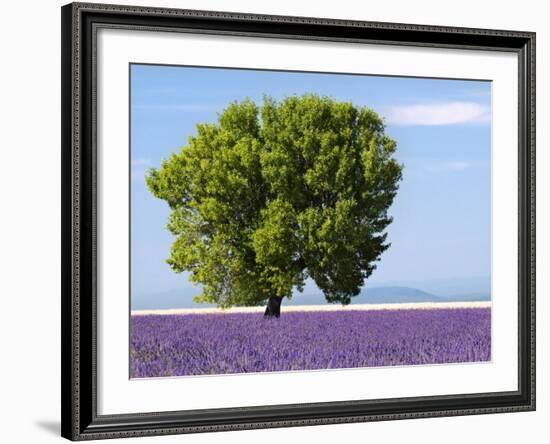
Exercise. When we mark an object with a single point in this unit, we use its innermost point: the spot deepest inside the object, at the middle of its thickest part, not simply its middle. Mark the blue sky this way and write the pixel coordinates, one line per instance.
(441, 225)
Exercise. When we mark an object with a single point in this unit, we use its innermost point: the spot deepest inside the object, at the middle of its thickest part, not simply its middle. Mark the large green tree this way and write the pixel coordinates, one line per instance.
(271, 195)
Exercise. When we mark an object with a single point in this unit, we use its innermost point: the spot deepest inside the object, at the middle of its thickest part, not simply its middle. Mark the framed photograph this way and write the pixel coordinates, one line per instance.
(275, 221)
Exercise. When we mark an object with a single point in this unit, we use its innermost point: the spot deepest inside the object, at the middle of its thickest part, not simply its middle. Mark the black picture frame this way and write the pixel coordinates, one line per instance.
(80, 420)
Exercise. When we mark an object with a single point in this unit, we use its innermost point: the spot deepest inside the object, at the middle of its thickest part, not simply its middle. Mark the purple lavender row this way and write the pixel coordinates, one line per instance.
(199, 344)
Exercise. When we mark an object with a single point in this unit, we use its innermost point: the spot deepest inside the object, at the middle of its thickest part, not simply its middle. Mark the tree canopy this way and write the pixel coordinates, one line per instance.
(270, 195)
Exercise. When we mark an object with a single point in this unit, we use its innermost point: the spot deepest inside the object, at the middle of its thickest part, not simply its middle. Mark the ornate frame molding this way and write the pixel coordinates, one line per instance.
(79, 389)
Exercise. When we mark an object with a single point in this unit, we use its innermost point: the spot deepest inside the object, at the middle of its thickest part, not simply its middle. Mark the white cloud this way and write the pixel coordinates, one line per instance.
(448, 113)
(138, 175)
(139, 166)
(458, 165)
(453, 166)
(141, 161)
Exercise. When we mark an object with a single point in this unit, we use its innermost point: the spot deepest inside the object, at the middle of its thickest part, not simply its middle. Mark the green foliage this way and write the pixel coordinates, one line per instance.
(268, 196)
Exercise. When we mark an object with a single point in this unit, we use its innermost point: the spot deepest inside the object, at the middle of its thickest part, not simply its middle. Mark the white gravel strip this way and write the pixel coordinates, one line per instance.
(327, 307)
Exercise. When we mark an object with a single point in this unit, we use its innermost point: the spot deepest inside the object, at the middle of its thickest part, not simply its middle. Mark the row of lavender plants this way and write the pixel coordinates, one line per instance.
(199, 344)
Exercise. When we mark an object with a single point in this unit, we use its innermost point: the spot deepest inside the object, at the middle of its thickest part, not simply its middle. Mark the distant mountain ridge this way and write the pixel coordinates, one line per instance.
(391, 294)
(449, 287)
(388, 295)
(374, 295)
(177, 298)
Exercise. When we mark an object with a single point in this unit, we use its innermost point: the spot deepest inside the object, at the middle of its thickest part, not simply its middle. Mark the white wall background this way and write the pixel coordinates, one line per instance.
(30, 220)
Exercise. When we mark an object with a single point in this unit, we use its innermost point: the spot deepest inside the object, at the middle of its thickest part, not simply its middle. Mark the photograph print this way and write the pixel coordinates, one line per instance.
(298, 221)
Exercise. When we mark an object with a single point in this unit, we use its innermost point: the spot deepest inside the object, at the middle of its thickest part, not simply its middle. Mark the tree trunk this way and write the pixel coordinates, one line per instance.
(273, 308)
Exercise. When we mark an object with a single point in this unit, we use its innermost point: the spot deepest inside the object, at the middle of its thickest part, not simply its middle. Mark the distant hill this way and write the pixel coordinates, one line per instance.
(391, 294)
(375, 295)
(472, 286)
(177, 298)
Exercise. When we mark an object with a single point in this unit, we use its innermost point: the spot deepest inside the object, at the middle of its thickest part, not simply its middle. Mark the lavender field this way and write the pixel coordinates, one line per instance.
(199, 344)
